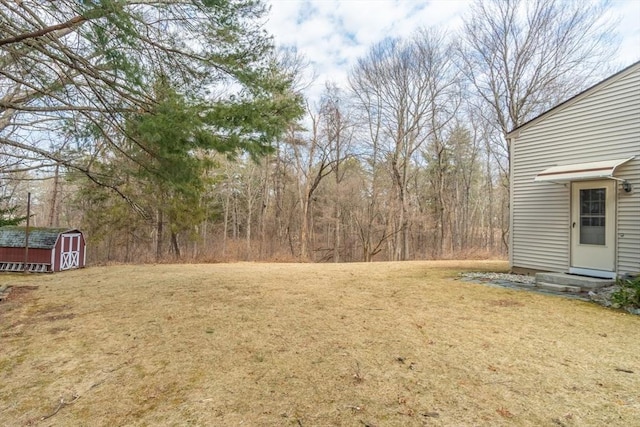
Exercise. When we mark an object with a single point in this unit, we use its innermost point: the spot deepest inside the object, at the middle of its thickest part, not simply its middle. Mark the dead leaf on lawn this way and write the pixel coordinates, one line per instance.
(504, 412)
(505, 303)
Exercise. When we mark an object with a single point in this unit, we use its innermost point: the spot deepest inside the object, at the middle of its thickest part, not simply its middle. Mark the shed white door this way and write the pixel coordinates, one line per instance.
(593, 221)
(70, 253)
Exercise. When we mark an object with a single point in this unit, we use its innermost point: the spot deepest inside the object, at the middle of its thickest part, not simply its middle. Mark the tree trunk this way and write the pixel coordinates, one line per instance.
(336, 234)
(53, 212)
(225, 227)
(249, 215)
(174, 245)
(304, 227)
(159, 235)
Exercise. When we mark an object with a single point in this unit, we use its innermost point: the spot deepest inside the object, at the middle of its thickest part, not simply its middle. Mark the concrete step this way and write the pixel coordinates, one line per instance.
(559, 288)
(583, 282)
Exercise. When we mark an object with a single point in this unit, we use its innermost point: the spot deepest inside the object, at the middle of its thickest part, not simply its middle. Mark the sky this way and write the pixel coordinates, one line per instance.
(333, 34)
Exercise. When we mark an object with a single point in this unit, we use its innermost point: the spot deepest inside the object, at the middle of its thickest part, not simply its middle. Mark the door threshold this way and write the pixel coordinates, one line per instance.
(588, 272)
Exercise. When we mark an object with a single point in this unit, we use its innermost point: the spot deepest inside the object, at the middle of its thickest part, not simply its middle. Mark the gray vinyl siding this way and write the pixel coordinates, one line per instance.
(602, 125)
(629, 219)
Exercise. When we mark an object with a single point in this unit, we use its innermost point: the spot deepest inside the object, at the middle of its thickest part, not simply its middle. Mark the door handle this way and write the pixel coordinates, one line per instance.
(573, 225)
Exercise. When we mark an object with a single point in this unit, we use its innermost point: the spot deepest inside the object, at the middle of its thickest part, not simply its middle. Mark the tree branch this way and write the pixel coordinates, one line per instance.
(43, 31)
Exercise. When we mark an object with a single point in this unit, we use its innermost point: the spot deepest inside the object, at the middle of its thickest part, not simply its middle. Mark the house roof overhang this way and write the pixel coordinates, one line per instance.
(580, 171)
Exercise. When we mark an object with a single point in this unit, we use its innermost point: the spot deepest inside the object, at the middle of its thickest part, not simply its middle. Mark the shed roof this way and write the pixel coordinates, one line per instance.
(39, 238)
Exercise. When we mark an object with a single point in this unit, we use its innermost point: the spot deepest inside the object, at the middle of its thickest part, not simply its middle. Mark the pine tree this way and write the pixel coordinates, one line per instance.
(8, 214)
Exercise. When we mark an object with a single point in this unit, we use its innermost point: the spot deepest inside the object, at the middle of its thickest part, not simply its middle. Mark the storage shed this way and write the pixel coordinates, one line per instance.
(50, 249)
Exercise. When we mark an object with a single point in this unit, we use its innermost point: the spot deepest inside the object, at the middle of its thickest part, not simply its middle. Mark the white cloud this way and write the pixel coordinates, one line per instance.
(629, 28)
(333, 34)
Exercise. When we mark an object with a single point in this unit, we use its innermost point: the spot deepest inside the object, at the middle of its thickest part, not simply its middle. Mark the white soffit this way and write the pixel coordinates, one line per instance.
(580, 171)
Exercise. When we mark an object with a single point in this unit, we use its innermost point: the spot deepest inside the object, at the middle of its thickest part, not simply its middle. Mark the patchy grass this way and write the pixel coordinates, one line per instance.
(383, 344)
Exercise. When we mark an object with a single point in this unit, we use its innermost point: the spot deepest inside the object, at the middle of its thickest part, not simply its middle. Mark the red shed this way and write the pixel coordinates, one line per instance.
(50, 249)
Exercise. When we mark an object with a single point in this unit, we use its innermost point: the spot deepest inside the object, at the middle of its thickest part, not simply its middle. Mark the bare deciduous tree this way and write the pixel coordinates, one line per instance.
(409, 89)
(523, 57)
(337, 128)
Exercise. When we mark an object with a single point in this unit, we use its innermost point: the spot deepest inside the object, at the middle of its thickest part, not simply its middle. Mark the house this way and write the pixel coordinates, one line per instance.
(50, 249)
(575, 184)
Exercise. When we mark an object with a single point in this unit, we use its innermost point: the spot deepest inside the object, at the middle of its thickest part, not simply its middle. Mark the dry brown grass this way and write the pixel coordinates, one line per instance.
(383, 344)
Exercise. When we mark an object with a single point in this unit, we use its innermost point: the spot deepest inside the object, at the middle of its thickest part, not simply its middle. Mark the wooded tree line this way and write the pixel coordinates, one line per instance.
(175, 130)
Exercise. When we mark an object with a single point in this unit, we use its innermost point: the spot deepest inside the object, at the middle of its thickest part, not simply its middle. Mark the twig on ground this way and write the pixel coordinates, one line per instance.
(94, 385)
(60, 406)
(357, 376)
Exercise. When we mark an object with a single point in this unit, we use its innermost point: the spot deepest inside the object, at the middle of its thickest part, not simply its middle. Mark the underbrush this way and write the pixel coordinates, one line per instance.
(628, 296)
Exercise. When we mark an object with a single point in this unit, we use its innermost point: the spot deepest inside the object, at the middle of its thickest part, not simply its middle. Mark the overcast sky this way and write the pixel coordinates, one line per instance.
(333, 34)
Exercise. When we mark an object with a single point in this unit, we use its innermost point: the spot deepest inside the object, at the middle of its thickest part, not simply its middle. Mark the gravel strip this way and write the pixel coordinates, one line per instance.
(488, 276)
(600, 296)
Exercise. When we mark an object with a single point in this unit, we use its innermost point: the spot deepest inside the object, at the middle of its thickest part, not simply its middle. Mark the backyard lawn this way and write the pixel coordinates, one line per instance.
(378, 344)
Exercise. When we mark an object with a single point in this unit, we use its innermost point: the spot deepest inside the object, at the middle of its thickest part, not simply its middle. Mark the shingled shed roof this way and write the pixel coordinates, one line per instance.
(39, 238)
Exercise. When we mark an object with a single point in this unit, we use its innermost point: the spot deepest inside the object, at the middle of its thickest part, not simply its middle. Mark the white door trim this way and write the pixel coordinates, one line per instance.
(71, 258)
(594, 259)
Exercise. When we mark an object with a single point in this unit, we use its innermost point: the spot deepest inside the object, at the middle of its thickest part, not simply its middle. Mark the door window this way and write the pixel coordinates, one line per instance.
(592, 216)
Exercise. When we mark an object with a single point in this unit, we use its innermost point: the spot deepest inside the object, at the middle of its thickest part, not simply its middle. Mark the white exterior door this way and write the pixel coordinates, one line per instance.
(70, 254)
(593, 222)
